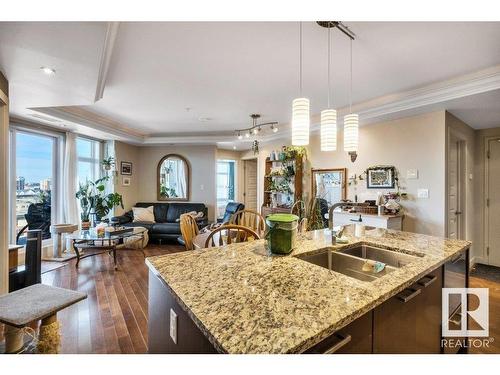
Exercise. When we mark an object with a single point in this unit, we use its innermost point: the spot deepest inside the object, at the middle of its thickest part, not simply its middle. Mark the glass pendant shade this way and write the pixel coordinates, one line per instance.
(328, 130)
(300, 122)
(351, 132)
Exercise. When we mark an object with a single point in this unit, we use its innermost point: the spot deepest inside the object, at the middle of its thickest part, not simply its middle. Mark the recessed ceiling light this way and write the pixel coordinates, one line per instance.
(48, 71)
(204, 119)
(234, 147)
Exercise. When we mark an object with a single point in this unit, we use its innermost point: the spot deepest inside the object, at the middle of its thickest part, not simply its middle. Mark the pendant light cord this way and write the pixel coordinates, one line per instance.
(350, 90)
(300, 59)
(329, 79)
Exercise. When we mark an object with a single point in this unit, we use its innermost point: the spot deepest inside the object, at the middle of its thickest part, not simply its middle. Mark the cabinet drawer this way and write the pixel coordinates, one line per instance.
(410, 322)
(356, 338)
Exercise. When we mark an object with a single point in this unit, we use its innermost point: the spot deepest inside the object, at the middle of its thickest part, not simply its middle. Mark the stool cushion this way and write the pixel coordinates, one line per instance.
(35, 302)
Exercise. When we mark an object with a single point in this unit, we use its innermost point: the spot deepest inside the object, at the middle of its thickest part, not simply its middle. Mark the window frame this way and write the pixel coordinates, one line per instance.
(235, 181)
(56, 192)
(96, 160)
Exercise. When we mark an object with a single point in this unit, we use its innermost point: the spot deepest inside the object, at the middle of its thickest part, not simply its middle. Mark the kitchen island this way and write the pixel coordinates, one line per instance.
(240, 299)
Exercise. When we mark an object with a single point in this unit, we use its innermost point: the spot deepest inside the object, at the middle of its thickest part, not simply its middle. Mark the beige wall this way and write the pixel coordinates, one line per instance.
(410, 143)
(130, 194)
(202, 163)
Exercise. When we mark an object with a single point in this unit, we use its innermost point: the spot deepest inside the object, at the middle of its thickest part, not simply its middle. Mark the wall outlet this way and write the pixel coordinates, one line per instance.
(423, 193)
(412, 174)
(173, 326)
(202, 187)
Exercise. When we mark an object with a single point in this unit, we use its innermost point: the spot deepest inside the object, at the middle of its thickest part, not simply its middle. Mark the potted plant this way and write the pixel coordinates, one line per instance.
(94, 201)
(108, 163)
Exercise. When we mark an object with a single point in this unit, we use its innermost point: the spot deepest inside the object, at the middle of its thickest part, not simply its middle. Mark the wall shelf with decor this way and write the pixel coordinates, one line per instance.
(282, 181)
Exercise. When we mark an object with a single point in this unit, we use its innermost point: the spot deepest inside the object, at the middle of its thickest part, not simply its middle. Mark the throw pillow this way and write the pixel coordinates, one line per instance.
(144, 214)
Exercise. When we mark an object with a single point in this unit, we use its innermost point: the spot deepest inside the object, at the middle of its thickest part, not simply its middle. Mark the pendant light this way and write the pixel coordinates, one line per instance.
(351, 124)
(329, 116)
(300, 110)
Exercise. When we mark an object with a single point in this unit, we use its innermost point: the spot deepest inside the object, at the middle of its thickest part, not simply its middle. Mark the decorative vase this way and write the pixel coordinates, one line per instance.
(93, 218)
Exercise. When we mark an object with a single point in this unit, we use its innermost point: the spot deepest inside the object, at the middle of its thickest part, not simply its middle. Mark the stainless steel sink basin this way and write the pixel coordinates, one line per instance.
(345, 264)
(389, 257)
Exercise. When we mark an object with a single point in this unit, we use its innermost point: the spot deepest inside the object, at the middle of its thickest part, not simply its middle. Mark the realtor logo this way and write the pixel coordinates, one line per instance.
(478, 316)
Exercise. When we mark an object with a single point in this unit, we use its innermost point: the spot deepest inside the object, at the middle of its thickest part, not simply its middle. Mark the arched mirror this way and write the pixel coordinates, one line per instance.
(329, 184)
(173, 178)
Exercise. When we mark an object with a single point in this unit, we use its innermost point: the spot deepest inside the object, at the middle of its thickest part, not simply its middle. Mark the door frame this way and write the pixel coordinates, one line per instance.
(256, 177)
(461, 188)
(4, 185)
(486, 209)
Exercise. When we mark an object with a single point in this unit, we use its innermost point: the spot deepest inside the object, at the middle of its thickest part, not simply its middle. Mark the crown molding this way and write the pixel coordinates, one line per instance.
(82, 117)
(394, 106)
(105, 61)
(458, 87)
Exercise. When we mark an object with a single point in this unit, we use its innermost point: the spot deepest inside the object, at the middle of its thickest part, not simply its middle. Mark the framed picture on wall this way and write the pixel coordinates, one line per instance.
(126, 168)
(126, 181)
(380, 177)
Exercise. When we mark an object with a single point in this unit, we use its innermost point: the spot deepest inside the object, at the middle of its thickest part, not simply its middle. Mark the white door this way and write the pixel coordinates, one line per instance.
(250, 189)
(455, 175)
(493, 225)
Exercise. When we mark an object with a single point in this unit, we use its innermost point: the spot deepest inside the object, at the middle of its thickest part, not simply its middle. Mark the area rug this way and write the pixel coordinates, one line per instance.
(483, 271)
(51, 266)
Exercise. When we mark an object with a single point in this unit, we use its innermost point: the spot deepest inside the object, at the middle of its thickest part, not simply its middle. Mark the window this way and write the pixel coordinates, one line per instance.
(89, 159)
(33, 166)
(225, 185)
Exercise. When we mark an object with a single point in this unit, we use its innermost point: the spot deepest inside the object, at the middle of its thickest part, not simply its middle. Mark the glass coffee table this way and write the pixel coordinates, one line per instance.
(87, 243)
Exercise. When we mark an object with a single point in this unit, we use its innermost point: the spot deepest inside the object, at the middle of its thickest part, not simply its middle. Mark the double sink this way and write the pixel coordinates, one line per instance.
(352, 261)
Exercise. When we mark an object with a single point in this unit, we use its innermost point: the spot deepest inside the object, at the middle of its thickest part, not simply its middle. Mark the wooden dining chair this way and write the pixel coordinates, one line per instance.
(249, 219)
(189, 229)
(230, 233)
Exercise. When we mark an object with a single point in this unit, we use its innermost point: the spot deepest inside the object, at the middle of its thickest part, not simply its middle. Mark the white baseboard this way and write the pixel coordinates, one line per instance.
(478, 260)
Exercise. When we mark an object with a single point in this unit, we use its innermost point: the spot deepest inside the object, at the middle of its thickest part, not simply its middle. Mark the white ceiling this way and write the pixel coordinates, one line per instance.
(73, 49)
(225, 71)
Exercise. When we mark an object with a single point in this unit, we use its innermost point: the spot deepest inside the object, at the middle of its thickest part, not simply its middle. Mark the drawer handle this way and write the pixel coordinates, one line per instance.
(344, 340)
(409, 297)
(429, 281)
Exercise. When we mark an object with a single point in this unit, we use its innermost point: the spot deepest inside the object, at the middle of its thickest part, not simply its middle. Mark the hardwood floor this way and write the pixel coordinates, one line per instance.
(113, 319)
(494, 314)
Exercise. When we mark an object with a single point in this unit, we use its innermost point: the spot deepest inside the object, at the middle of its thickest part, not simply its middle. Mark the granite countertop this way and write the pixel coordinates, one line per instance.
(247, 301)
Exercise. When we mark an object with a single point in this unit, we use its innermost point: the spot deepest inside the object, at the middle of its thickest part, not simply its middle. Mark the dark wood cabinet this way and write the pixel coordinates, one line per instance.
(190, 340)
(355, 338)
(410, 322)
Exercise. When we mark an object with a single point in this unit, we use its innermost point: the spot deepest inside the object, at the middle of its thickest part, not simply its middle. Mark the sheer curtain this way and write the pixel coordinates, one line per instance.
(181, 179)
(69, 178)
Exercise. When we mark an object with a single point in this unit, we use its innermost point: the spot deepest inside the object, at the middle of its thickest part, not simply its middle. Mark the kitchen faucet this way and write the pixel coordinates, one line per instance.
(330, 217)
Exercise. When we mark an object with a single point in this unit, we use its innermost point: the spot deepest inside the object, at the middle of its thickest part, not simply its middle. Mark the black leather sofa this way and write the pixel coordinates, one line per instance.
(167, 215)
